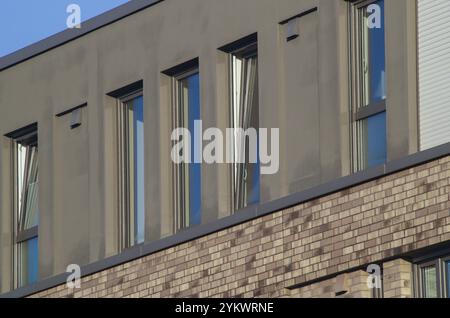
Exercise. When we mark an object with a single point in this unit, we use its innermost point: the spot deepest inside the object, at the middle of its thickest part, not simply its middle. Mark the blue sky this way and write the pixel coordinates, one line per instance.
(24, 22)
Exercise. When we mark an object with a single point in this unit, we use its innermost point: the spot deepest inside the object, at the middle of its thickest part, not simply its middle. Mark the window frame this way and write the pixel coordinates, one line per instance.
(442, 288)
(358, 110)
(127, 222)
(21, 235)
(445, 276)
(181, 192)
(244, 48)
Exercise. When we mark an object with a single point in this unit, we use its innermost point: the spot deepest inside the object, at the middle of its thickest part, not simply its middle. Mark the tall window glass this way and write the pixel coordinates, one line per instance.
(370, 81)
(188, 175)
(131, 162)
(245, 121)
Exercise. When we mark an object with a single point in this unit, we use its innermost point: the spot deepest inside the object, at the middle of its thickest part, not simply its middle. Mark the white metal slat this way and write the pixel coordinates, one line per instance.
(434, 72)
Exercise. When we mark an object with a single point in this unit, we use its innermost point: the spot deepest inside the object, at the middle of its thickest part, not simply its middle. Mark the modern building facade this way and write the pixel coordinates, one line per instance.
(359, 206)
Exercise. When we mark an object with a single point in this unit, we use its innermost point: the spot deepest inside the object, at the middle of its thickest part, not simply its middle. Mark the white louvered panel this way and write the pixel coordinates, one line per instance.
(434, 72)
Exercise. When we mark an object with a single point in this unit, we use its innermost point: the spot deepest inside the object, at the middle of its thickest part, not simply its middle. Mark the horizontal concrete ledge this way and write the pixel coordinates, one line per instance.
(240, 217)
(300, 15)
(66, 112)
(72, 34)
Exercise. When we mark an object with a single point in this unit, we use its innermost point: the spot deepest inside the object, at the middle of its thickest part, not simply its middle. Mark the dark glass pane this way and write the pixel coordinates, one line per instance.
(376, 140)
(253, 183)
(253, 175)
(28, 262)
(447, 268)
(138, 122)
(33, 260)
(377, 60)
(195, 182)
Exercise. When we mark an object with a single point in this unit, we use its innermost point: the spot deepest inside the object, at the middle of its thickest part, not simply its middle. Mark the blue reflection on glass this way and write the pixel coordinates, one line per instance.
(376, 139)
(138, 108)
(33, 257)
(447, 266)
(253, 191)
(195, 180)
(377, 60)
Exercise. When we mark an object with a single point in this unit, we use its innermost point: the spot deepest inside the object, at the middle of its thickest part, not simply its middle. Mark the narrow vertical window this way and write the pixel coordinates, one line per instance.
(26, 204)
(244, 119)
(369, 84)
(131, 164)
(186, 112)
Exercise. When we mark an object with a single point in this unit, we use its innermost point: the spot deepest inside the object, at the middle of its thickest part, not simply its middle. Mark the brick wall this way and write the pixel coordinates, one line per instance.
(397, 281)
(351, 285)
(262, 258)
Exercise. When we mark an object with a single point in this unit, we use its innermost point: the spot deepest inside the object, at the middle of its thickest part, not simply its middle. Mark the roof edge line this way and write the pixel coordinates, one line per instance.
(69, 35)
